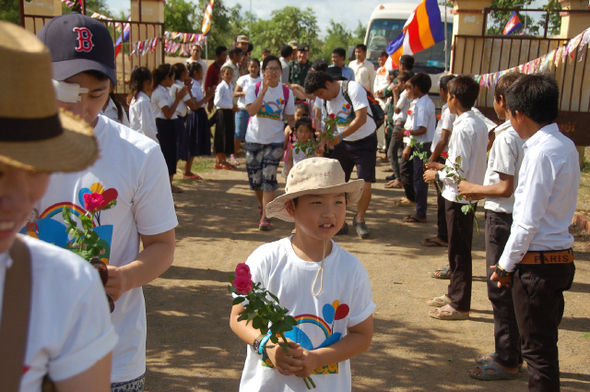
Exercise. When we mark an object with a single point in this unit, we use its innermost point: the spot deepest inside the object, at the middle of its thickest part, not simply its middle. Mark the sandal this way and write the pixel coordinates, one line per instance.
(482, 360)
(414, 219)
(264, 225)
(434, 242)
(405, 202)
(439, 301)
(498, 372)
(447, 312)
(441, 273)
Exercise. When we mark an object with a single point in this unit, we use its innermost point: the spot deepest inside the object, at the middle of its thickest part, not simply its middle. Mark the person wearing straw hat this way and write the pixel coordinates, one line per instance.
(130, 170)
(54, 316)
(315, 279)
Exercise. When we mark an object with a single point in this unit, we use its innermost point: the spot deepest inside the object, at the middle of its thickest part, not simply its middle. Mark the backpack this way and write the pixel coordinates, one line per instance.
(376, 113)
(285, 94)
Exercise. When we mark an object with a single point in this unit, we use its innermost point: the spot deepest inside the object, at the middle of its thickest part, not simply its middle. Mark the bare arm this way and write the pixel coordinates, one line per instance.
(419, 131)
(504, 188)
(97, 378)
(169, 111)
(254, 107)
(359, 120)
(441, 145)
(238, 92)
(289, 159)
(155, 258)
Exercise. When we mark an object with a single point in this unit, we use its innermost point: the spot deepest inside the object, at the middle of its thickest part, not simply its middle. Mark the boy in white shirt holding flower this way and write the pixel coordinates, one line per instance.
(325, 288)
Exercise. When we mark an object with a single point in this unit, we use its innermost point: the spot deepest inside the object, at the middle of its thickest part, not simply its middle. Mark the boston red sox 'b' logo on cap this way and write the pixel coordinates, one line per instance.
(84, 39)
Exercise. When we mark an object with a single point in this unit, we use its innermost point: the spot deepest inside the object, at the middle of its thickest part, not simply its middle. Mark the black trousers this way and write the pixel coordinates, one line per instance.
(538, 305)
(406, 169)
(441, 220)
(460, 228)
(506, 336)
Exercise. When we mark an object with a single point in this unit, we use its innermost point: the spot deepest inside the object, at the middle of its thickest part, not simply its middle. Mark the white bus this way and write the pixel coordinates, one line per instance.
(386, 23)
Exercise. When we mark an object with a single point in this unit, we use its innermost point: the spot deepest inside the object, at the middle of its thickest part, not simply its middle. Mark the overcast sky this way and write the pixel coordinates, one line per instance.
(347, 11)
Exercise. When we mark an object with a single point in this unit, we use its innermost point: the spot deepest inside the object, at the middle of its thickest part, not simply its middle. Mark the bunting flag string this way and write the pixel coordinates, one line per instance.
(544, 63)
(184, 38)
(140, 48)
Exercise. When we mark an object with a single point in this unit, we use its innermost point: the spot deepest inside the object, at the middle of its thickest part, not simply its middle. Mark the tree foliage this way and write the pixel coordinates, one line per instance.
(339, 36)
(181, 15)
(226, 24)
(99, 6)
(9, 11)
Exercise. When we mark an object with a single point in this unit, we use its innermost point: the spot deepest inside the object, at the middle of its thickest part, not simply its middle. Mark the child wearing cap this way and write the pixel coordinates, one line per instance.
(130, 170)
(316, 280)
(55, 318)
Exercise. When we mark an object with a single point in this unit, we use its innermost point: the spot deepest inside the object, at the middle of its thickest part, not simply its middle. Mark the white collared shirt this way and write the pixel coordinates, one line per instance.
(112, 112)
(223, 96)
(364, 73)
(446, 122)
(142, 117)
(505, 157)
(469, 140)
(425, 116)
(546, 196)
(160, 99)
(181, 108)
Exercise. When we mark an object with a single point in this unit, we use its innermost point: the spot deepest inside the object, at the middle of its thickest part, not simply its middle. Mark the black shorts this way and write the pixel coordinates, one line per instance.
(360, 153)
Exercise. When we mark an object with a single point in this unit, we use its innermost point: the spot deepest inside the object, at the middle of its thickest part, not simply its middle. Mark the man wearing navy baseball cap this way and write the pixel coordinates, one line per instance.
(130, 171)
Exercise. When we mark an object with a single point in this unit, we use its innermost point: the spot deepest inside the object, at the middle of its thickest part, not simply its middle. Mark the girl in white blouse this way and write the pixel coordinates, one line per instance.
(141, 116)
(164, 108)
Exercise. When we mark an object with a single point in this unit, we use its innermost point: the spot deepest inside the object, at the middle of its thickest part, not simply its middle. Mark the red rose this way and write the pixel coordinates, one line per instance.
(243, 285)
(407, 132)
(332, 116)
(444, 154)
(243, 271)
(93, 201)
(409, 112)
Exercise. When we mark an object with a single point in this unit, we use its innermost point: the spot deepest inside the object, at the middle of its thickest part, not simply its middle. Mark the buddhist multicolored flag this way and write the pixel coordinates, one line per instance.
(422, 30)
(513, 24)
(208, 18)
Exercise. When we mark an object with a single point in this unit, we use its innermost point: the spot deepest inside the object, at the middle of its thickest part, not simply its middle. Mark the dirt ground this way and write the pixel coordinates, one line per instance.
(190, 346)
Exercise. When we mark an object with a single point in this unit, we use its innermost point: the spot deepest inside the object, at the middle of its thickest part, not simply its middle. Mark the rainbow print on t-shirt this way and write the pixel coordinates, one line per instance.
(272, 109)
(344, 117)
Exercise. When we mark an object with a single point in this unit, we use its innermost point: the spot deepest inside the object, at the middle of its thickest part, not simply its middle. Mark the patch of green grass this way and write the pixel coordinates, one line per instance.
(200, 164)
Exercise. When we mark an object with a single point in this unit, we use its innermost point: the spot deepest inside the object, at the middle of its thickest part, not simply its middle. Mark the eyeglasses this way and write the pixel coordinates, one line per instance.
(274, 69)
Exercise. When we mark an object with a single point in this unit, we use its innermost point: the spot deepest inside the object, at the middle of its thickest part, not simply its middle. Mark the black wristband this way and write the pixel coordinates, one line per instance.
(501, 272)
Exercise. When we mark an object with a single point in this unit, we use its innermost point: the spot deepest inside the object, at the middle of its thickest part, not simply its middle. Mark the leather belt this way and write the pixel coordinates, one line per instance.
(549, 257)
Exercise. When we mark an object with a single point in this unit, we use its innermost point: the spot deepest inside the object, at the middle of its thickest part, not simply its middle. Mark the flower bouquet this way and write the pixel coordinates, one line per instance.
(261, 310)
(416, 147)
(85, 240)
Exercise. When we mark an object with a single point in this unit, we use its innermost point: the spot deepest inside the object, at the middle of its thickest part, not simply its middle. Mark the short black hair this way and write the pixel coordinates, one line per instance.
(219, 50)
(422, 81)
(536, 96)
(250, 47)
(316, 80)
(362, 47)
(403, 76)
(319, 65)
(305, 121)
(504, 83)
(383, 53)
(340, 52)
(444, 81)
(270, 58)
(265, 50)
(465, 89)
(193, 67)
(234, 50)
(303, 106)
(286, 51)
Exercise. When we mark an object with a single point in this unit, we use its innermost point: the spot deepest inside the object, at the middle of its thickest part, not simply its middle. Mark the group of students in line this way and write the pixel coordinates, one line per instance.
(73, 339)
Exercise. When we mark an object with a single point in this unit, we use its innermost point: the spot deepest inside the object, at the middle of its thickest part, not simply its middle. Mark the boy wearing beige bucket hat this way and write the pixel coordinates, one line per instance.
(325, 288)
(130, 170)
(54, 318)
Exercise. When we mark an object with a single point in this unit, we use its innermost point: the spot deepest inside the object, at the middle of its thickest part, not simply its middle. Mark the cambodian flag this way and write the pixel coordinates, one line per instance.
(422, 30)
(513, 24)
(124, 37)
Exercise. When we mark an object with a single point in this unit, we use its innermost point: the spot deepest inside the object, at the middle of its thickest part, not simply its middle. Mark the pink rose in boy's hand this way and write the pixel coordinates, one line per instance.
(243, 271)
(407, 132)
(242, 284)
(93, 201)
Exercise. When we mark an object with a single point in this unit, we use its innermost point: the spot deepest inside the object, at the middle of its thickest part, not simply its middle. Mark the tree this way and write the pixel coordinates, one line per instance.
(337, 36)
(289, 23)
(181, 16)
(9, 11)
(99, 6)
(497, 19)
(554, 27)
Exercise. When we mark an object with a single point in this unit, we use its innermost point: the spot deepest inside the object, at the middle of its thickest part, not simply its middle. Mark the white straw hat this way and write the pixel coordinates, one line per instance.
(314, 176)
(34, 134)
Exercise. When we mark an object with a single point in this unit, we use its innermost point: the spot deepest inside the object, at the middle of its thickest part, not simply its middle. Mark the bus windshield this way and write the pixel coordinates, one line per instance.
(383, 31)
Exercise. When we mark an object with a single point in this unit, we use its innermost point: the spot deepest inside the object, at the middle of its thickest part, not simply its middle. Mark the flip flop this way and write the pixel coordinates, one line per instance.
(439, 301)
(433, 243)
(413, 219)
(446, 314)
(482, 360)
(405, 202)
(498, 374)
(443, 273)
